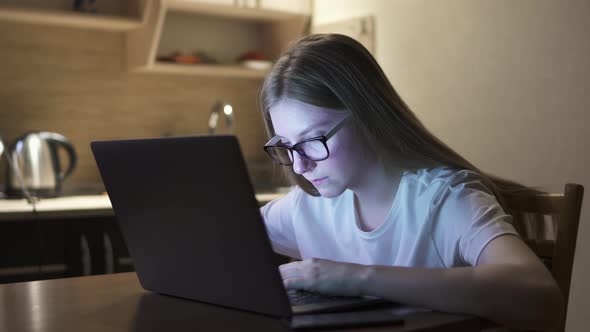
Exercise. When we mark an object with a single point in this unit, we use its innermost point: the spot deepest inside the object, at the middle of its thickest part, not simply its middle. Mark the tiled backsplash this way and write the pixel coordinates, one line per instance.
(73, 82)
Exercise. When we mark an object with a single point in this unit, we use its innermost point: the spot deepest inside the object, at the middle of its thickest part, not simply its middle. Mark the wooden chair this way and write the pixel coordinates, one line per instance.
(549, 225)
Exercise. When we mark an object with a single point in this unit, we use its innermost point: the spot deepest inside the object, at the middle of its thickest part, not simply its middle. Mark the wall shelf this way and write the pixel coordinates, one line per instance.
(204, 70)
(69, 19)
(223, 32)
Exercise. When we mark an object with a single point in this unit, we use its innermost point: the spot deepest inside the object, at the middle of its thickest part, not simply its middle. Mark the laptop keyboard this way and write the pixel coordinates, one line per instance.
(301, 297)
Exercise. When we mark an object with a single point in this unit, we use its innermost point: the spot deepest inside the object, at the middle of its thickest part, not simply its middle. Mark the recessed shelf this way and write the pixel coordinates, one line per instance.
(204, 70)
(221, 32)
(69, 19)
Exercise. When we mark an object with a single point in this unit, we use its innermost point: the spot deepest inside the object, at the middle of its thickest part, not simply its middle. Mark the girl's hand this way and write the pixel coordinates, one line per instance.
(324, 276)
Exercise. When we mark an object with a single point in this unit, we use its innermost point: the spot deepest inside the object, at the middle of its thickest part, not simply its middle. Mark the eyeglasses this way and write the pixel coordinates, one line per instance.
(314, 149)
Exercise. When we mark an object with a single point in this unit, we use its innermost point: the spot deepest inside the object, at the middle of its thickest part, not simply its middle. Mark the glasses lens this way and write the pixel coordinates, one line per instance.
(314, 150)
(280, 154)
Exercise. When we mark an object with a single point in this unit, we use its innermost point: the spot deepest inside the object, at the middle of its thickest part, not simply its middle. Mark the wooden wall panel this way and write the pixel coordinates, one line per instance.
(73, 82)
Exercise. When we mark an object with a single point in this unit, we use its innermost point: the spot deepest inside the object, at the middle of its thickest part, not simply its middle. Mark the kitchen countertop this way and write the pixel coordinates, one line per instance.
(76, 206)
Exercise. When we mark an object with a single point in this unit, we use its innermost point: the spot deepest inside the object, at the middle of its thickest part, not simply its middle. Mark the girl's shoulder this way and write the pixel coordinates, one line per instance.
(438, 179)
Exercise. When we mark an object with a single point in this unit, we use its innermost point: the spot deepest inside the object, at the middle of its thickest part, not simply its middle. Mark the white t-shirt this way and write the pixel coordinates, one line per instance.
(440, 217)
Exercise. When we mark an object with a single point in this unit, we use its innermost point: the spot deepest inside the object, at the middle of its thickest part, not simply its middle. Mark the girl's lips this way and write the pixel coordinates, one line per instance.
(318, 181)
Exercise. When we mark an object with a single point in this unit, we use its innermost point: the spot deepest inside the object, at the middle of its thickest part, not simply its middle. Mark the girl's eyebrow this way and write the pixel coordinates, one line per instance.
(299, 137)
(302, 134)
(316, 127)
(307, 131)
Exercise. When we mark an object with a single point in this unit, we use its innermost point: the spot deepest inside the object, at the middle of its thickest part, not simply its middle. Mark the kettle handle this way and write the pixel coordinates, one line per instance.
(65, 143)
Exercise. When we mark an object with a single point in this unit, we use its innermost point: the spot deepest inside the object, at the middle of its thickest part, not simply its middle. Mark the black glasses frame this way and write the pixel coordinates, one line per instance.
(272, 144)
(301, 152)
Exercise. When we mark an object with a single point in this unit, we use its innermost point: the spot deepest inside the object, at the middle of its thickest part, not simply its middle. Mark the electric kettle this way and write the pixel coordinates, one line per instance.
(36, 164)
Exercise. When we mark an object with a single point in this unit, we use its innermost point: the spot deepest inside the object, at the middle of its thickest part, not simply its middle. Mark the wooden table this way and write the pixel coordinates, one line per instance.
(116, 302)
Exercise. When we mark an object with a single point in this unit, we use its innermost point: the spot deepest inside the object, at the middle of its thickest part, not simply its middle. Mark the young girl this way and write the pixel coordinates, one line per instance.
(382, 207)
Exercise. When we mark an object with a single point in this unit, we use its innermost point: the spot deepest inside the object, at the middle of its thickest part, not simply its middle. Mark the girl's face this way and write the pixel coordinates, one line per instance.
(295, 121)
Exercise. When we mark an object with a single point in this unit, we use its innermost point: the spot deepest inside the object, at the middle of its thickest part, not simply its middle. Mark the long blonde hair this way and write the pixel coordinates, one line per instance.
(335, 71)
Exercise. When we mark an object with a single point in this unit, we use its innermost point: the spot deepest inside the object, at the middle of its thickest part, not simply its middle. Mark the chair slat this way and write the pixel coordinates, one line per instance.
(541, 203)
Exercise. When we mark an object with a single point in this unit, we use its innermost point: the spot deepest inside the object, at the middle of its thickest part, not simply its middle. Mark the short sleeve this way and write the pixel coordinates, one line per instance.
(278, 218)
(465, 217)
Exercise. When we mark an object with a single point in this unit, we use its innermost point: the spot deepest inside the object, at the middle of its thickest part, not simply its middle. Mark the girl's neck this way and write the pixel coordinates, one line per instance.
(374, 194)
(376, 184)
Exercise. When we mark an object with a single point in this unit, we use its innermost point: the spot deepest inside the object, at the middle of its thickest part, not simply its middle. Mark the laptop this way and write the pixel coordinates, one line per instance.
(190, 219)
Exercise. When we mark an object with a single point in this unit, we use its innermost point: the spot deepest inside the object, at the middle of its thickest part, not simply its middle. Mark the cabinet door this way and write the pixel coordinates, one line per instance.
(59, 248)
(54, 262)
(19, 251)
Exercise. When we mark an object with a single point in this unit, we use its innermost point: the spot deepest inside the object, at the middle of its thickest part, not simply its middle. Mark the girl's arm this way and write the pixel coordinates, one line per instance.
(509, 285)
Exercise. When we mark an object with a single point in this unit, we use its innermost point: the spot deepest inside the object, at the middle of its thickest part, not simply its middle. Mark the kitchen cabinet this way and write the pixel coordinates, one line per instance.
(38, 248)
(221, 32)
(19, 251)
(66, 237)
(33, 250)
(153, 28)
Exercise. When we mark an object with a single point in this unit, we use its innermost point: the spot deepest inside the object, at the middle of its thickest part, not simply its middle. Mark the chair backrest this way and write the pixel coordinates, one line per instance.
(548, 223)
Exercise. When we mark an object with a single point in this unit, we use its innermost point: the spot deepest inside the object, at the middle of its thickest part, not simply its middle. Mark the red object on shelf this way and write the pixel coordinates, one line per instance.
(251, 55)
(187, 59)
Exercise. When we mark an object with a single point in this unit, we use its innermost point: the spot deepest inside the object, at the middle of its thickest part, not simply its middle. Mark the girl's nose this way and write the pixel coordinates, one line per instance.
(301, 165)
